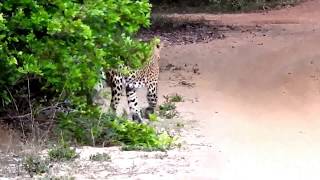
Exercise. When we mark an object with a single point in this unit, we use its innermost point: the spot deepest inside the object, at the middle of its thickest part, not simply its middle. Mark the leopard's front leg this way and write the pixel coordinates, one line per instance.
(116, 92)
(133, 104)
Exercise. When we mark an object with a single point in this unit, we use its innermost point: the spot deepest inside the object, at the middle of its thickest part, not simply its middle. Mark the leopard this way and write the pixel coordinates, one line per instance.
(147, 77)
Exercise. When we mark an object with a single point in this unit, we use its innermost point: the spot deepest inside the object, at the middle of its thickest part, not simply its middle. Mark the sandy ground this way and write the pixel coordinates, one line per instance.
(258, 96)
(252, 112)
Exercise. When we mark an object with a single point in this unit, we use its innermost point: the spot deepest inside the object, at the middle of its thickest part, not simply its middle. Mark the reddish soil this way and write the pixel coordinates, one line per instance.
(257, 95)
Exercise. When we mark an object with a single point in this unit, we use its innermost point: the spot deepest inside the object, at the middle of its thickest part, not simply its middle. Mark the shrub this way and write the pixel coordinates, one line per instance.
(62, 45)
(174, 98)
(35, 165)
(53, 177)
(168, 110)
(87, 127)
(62, 152)
(92, 127)
(136, 136)
(100, 157)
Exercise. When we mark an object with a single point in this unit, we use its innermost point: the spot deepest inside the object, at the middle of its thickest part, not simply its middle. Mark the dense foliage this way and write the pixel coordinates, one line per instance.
(59, 46)
(52, 52)
(92, 127)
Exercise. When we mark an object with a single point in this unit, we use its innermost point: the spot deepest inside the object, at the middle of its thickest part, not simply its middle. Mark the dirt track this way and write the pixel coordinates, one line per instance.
(257, 97)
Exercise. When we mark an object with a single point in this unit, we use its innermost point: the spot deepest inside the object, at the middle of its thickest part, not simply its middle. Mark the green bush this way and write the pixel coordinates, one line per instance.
(62, 152)
(63, 44)
(168, 110)
(174, 98)
(87, 127)
(100, 157)
(35, 165)
(136, 136)
(91, 127)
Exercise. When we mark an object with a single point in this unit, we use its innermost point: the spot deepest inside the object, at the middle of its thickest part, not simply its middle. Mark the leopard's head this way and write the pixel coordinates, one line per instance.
(156, 42)
(157, 46)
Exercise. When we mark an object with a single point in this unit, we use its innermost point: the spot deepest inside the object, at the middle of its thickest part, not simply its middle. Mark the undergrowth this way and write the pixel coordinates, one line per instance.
(174, 98)
(35, 165)
(168, 108)
(48, 177)
(100, 157)
(91, 127)
(62, 152)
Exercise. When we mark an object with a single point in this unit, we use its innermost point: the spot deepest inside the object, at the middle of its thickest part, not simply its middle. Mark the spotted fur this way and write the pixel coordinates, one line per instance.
(145, 77)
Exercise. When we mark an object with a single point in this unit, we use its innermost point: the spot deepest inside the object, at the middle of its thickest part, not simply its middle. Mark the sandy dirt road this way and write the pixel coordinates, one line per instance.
(254, 107)
(257, 98)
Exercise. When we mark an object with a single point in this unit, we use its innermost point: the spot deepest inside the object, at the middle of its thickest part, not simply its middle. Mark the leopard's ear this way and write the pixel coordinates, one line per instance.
(160, 45)
(156, 42)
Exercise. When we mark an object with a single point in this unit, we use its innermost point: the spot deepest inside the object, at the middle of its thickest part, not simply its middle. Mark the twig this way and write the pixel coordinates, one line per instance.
(54, 115)
(29, 114)
(19, 117)
(17, 109)
(30, 106)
